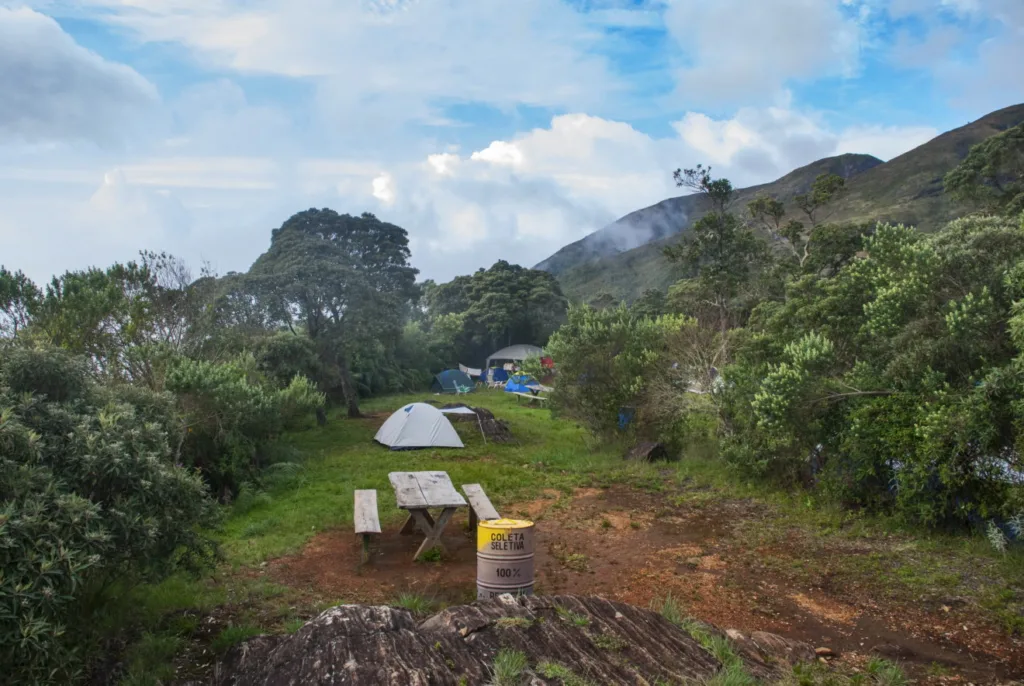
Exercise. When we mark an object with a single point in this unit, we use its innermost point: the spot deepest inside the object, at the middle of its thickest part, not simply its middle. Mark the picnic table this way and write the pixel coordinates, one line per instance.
(417, 493)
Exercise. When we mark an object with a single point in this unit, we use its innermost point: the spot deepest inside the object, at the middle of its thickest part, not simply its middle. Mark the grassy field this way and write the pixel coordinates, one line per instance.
(180, 627)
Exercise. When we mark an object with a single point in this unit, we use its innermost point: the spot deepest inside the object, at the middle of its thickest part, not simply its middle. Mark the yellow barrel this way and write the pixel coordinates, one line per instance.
(504, 558)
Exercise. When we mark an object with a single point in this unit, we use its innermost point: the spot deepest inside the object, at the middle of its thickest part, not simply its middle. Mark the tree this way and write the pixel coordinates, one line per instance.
(718, 248)
(991, 177)
(603, 359)
(104, 315)
(19, 298)
(498, 306)
(604, 301)
(825, 189)
(345, 280)
(651, 303)
(893, 380)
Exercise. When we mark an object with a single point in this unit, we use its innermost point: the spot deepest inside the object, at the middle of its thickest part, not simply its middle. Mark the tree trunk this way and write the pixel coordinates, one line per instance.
(348, 387)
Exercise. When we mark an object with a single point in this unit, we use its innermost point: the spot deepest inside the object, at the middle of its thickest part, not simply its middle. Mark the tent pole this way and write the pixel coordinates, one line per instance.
(480, 423)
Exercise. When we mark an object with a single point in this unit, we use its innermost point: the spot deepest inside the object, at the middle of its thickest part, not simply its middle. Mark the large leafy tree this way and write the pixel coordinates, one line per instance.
(344, 280)
(18, 299)
(499, 306)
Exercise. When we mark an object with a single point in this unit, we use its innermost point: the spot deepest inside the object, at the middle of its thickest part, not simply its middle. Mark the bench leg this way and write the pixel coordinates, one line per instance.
(364, 556)
(472, 519)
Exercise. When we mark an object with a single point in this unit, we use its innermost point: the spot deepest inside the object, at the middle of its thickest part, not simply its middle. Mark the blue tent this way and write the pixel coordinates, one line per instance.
(520, 383)
(497, 374)
(452, 381)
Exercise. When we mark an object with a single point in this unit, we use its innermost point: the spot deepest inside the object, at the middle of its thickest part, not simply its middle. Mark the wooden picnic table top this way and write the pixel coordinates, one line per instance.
(421, 490)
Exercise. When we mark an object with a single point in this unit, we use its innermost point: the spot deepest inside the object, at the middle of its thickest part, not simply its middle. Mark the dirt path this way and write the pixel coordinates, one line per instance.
(640, 547)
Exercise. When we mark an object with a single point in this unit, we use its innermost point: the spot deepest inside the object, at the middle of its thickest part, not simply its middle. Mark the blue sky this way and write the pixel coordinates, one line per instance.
(488, 129)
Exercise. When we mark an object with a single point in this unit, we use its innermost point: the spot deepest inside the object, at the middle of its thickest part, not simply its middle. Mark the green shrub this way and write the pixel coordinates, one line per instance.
(91, 497)
(230, 414)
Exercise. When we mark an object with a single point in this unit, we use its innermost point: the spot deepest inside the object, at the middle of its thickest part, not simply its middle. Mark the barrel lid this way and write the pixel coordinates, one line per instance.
(506, 524)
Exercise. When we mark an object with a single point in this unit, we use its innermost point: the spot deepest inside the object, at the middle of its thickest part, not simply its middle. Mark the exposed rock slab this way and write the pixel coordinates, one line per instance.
(601, 641)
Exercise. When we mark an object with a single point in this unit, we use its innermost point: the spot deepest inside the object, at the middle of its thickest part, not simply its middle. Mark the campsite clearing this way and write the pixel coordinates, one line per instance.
(728, 553)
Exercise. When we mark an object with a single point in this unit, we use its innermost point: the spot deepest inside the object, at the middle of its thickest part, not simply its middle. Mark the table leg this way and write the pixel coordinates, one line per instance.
(431, 529)
(410, 523)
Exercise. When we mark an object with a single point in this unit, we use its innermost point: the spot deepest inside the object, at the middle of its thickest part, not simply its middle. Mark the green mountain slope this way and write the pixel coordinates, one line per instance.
(906, 189)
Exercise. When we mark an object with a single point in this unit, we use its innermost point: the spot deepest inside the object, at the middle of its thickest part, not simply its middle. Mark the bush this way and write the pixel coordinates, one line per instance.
(230, 413)
(91, 496)
(894, 382)
(604, 358)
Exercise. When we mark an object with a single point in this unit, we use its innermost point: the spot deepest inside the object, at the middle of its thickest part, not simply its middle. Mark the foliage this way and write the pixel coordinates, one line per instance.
(18, 298)
(91, 496)
(721, 250)
(499, 306)
(346, 281)
(603, 358)
(992, 175)
(894, 381)
(229, 413)
(509, 667)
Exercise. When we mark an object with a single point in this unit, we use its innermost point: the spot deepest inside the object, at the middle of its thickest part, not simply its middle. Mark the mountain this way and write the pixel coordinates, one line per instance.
(624, 258)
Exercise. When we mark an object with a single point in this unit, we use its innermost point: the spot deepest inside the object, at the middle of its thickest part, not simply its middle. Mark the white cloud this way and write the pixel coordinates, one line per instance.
(122, 211)
(51, 88)
(741, 51)
(384, 188)
(396, 58)
(582, 172)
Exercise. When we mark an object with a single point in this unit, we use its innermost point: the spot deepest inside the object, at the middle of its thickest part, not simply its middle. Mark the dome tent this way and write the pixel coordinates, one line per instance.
(418, 425)
(452, 381)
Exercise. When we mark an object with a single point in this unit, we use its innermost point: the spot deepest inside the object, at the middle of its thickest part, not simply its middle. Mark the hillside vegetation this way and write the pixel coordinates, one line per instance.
(625, 258)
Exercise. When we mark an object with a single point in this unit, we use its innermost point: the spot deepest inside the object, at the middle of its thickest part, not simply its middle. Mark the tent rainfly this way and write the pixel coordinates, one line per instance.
(418, 425)
(515, 353)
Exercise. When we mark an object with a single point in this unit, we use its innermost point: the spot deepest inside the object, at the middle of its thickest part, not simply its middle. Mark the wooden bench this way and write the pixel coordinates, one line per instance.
(366, 519)
(479, 505)
(528, 396)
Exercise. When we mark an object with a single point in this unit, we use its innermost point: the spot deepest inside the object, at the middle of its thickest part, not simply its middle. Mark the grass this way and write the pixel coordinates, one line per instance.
(608, 642)
(574, 618)
(509, 667)
(300, 501)
(233, 635)
(415, 603)
(554, 670)
(149, 660)
(513, 623)
(733, 672)
(342, 457)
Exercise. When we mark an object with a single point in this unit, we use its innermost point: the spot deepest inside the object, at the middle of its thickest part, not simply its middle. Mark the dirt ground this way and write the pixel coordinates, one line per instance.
(638, 547)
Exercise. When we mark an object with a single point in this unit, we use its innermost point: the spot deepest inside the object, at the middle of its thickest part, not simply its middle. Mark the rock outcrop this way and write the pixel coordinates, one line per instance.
(596, 640)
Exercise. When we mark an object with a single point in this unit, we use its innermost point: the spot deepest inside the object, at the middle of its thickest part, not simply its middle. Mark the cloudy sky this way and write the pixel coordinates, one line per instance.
(487, 128)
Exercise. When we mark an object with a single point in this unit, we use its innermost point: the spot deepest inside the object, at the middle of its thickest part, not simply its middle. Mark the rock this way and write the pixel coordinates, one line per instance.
(761, 650)
(825, 652)
(357, 644)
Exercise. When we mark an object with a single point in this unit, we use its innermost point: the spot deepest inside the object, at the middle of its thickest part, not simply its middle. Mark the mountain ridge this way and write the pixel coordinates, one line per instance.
(907, 189)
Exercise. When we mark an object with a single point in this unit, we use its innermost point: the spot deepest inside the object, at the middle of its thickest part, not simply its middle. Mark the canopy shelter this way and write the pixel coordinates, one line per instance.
(514, 353)
(418, 425)
(467, 411)
(452, 381)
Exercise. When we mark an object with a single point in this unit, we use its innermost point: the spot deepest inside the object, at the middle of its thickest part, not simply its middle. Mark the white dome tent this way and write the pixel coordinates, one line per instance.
(418, 425)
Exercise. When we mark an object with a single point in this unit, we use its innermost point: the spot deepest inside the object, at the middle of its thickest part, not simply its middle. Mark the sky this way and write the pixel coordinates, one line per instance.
(488, 129)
